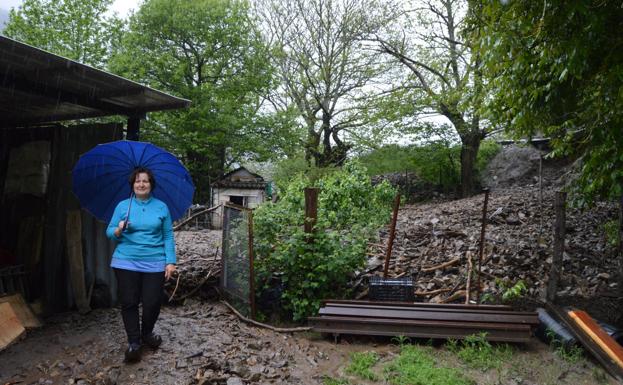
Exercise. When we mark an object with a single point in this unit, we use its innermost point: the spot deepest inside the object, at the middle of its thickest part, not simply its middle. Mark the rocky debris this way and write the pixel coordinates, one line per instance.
(410, 186)
(512, 165)
(518, 246)
(198, 265)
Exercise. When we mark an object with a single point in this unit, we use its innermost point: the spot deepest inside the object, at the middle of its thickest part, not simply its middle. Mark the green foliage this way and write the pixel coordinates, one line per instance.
(415, 366)
(507, 292)
(325, 70)
(335, 381)
(436, 162)
(514, 292)
(478, 353)
(210, 52)
(317, 266)
(547, 78)
(569, 353)
(76, 29)
(401, 340)
(361, 363)
(612, 232)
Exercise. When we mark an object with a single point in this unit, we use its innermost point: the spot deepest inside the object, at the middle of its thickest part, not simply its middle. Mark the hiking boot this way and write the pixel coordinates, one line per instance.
(133, 354)
(152, 340)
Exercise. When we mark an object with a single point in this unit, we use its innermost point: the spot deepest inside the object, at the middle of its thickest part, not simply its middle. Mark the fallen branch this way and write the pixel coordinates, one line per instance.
(442, 266)
(253, 322)
(432, 292)
(378, 255)
(195, 215)
(458, 295)
(362, 294)
(176, 285)
(193, 291)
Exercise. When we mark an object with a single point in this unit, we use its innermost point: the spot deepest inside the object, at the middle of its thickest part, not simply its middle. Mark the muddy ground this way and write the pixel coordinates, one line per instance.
(205, 343)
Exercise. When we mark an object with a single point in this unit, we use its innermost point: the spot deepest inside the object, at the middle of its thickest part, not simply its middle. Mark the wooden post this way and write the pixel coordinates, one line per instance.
(134, 123)
(392, 234)
(621, 246)
(540, 196)
(73, 236)
(311, 210)
(559, 246)
(251, 262)
(468, 285)
(482, 243)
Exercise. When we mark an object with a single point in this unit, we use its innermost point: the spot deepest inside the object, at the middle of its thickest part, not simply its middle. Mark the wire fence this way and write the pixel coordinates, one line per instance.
(237, 285)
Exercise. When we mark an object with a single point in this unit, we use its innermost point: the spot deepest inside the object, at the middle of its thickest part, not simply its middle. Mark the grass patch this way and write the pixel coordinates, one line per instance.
(415, 366)
(478, 353)
(335, 381)
(361, 364)
(571, 354)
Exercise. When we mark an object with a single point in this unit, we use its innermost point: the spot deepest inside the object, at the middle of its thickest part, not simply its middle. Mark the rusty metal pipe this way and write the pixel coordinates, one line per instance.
(482, 243)
(392, 234)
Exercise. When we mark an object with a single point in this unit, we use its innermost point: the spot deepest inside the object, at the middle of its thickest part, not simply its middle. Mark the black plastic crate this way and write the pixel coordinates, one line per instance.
(391, 289)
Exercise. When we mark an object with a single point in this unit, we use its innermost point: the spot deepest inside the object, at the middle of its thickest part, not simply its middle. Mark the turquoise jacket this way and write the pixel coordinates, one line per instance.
(149, 235)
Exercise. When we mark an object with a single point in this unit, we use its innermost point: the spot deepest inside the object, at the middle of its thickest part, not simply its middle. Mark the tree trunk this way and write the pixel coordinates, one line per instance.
(469, 151)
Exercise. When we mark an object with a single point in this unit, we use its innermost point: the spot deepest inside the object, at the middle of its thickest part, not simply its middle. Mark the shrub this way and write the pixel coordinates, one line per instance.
(317, 266)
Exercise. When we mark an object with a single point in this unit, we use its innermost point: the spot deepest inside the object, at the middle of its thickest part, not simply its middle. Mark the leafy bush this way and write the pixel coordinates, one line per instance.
(319, 265)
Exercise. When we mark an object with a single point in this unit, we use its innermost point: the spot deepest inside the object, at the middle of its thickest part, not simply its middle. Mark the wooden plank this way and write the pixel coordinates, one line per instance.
(609, 345)
(611, 367)
(10, 326)
(25, 315)
(73, 234)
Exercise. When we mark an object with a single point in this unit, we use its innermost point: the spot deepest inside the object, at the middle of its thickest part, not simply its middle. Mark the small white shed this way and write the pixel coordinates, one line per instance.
(241, 187)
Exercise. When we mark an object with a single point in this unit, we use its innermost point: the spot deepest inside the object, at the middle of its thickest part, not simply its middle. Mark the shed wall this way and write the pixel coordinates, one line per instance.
(33, 228)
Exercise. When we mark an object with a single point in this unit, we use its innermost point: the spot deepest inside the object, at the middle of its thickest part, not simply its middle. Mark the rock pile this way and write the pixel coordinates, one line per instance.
(434, 242)
(199, 263)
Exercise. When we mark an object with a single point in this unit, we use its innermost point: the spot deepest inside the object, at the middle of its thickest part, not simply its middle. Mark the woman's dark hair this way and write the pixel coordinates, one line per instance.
(139, 170)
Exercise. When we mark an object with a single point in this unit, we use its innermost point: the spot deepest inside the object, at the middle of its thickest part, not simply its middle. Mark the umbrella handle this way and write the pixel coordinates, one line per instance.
(127, 214)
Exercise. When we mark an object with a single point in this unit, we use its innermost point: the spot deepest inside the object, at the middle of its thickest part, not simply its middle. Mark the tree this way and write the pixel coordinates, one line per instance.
(556, 68)
(442, 74)
(208, 51)
(76, 29)
(325, 69)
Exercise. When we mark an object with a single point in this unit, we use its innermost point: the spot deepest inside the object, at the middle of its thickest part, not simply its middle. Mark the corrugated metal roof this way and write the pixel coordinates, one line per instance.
(37, 86)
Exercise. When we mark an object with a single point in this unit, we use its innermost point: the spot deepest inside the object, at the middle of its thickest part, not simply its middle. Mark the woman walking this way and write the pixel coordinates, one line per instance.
(143, 259)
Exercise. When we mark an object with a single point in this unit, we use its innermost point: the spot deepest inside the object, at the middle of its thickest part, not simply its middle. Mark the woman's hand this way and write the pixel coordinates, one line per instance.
(120, 227)
(169, 270)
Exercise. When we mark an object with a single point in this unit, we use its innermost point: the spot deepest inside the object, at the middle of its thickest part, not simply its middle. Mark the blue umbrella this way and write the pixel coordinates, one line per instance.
(100, 178)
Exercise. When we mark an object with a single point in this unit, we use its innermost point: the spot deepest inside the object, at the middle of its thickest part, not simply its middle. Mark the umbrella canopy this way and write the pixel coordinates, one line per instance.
(100, 178)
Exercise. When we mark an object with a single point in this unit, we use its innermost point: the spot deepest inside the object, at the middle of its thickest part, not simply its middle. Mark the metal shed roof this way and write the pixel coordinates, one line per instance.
(37, 86)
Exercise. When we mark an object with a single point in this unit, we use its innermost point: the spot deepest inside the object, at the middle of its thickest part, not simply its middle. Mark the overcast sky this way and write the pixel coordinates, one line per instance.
(122, 7)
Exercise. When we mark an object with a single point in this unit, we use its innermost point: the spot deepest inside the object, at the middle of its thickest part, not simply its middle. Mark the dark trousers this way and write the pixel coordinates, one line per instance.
(136, 287)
